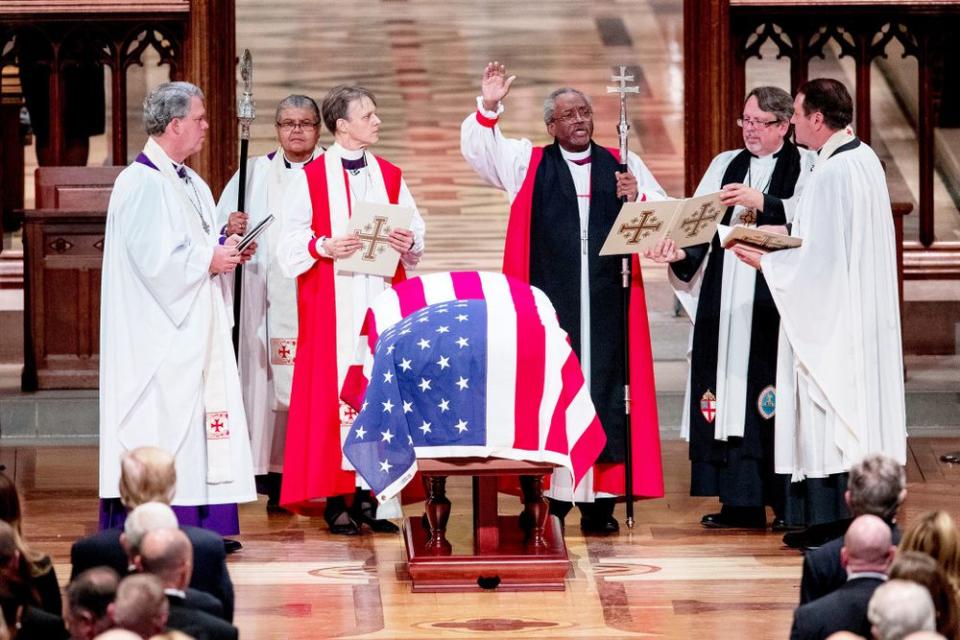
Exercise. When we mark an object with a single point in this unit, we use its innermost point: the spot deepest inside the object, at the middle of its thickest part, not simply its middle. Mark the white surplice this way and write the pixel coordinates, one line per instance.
(268, 315)
(840, 392)
(503, 162)
(736, 298)
(160, 308)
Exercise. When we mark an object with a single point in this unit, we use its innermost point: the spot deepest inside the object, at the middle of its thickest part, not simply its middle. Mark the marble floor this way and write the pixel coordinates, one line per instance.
(666, 578)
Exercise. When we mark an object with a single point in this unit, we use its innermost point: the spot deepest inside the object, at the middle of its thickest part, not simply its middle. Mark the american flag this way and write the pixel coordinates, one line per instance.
(466, 365)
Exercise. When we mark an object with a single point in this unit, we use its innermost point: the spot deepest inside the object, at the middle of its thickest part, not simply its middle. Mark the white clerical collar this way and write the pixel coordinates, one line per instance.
(295, 165)
(349, 154)
(177, 593)
(770, 157)
(575, 155)
(156, 150)
(876, 575)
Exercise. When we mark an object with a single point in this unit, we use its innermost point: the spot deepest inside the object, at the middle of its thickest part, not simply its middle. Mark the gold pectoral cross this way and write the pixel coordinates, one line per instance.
(748, 216)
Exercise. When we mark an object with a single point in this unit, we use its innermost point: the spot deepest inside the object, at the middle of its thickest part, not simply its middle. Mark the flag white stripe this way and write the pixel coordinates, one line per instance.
(501, 360)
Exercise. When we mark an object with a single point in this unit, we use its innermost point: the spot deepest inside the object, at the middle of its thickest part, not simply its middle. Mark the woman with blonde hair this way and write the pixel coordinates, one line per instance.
(35, 568)
(935, 534)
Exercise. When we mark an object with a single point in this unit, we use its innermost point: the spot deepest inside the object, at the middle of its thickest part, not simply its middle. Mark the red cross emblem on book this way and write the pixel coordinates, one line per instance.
(283, 350)
(347, 413)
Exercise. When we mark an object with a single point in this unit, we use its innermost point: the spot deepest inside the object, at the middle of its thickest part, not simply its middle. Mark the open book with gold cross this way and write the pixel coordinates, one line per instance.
(372, 223)
(640, 225)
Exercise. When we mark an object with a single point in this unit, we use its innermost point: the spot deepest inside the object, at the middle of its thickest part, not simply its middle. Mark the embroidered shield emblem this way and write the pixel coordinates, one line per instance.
(283, 350)
(767, 402)
(347, 414)
(708, 406)
(217, 428)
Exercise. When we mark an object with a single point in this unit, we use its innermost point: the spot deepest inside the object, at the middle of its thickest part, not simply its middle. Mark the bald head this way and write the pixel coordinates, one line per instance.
(867, 545)
(168, 554)
(118, 634)
(88, 598)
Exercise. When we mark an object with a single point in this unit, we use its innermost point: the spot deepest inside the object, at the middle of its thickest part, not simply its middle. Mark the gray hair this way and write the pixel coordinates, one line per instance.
(898, 608)
(168, 101)
(876, 484)
(550, 104)
(296, 101)
(140, 604)
(149, 516)
(773, 100)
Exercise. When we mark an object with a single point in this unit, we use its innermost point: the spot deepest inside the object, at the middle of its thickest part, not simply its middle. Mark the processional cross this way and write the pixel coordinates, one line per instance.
(379, 235)
(623, 129)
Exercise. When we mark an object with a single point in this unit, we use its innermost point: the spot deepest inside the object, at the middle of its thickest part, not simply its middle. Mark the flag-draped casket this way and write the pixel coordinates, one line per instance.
(465, 364)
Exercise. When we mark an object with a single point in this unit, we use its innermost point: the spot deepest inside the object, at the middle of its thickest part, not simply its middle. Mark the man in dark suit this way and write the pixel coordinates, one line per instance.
(148, 474)
(877, 486)
(866, 555)
(89, 596)
(167, 554)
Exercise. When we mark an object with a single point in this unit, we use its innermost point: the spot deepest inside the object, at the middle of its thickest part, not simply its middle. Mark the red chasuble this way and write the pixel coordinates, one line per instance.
(312, 455)
(645, 426)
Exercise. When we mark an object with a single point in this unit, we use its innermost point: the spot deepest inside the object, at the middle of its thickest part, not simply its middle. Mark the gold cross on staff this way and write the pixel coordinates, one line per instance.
(638, 229)
(376, 237)
(699, 220)
(623, 126)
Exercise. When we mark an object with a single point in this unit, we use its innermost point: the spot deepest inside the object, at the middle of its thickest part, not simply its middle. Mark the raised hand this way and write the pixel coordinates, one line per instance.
(225, 256)
(342, 246)
(740, 194)
(495, 85)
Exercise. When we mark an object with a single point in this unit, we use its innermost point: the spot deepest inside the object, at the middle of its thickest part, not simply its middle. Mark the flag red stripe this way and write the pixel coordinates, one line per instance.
(411, 296)
(530, 362)
(571, 380)
(467, 285)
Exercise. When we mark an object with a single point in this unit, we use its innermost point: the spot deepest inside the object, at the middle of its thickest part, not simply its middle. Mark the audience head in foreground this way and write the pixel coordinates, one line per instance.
(898, 608)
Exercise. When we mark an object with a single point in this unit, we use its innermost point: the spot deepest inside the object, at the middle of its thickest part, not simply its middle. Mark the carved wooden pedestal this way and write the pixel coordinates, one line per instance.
(504, 556)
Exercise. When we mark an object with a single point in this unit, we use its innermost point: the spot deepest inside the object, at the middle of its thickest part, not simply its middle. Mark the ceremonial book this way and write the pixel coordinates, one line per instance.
(372, 223)
(760, 238)
(254, 233)
(641, 225)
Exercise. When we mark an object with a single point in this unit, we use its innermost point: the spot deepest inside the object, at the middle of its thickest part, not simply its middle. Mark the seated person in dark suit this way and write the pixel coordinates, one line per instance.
(141, 605)
(35, 568)
(19, 602)
(89, 597)
(900, 608)
(148, 474)
(866, 555)
(877, 486)
(167, 554)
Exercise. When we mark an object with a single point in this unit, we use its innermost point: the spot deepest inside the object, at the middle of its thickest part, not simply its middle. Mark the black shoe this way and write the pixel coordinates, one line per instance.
(339, 521)
(780, 525)
(231, 546)
(364, 511)
(599, 526)
(816, 535)
(730, 518)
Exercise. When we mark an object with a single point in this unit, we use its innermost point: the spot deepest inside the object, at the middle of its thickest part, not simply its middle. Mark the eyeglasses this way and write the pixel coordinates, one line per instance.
(585, 113)
(290, 125)
(745, 123)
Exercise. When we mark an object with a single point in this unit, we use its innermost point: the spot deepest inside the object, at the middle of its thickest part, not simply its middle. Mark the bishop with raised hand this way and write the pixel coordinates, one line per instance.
(564, 199)
(333, 304)
(168, 378)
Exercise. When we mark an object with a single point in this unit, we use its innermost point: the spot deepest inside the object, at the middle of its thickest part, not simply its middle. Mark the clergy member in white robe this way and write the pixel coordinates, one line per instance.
(730, 401)
(268, 315)
(167, 373)
(840, 361)
(333, 304)
(564, 198)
